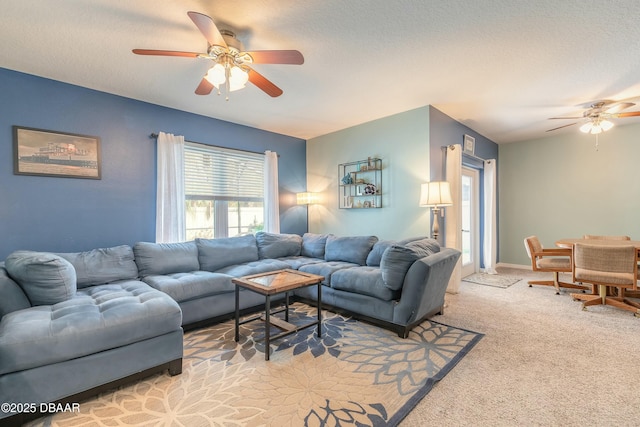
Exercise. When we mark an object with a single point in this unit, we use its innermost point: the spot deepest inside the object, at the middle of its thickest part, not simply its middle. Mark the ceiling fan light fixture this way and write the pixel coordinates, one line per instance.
(216, 75)
(586, 128)
(237, 78)
(606, 125)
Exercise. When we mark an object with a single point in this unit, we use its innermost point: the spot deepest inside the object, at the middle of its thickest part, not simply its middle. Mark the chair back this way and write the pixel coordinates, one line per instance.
(593, 236)
(532, 245)
(611, 265)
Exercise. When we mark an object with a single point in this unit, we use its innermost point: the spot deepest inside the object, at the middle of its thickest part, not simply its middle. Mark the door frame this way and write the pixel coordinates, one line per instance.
(474, 266)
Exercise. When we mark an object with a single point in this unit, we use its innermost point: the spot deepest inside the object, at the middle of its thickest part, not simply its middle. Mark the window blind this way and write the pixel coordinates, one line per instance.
(222, 174)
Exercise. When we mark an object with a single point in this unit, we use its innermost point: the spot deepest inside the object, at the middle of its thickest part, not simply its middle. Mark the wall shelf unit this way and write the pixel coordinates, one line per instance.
(360, 185)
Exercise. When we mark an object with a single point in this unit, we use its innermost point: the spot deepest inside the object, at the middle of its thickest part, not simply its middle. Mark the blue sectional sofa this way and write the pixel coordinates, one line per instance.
(73, 324)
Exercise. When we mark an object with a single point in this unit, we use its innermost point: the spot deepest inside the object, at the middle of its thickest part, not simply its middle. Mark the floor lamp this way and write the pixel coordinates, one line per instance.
(435, 194)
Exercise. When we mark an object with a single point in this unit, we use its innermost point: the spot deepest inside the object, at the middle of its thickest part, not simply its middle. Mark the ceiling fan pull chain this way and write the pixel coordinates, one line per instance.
(596, 142)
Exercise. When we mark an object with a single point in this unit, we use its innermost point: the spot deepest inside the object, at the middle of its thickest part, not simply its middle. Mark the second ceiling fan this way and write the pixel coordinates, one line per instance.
(231, 68)
(597, 115)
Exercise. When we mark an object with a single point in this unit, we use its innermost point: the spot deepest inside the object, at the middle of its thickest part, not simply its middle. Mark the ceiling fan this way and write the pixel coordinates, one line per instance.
(597, 115)
(231, 67)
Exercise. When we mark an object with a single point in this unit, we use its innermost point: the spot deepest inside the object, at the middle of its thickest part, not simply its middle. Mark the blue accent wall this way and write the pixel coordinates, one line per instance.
(67, 214)
(444, 131)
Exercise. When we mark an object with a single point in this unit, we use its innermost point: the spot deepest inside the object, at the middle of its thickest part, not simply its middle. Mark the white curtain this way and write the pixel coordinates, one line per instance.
(489, 245)
(271, 196)
(170, 209)
(453, 215)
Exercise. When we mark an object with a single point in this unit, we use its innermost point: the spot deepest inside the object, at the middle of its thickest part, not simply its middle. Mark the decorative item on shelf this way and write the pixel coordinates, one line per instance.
(370, 189)
(306, 198)
(359, 205)
(435, 194)
(348, 202)
(347, 179)
(363, 167)
(367, 204)
(371, 164)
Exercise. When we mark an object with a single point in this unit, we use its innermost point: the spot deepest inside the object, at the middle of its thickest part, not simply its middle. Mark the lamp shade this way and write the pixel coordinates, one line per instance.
(306, 198)
(435, 193)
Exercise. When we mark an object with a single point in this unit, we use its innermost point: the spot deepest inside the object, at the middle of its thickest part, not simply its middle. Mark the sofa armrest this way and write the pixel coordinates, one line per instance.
(425, 285)
(12, 297)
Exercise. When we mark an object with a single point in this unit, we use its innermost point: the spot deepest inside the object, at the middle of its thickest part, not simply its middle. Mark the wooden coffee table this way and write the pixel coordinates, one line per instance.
(273, 283)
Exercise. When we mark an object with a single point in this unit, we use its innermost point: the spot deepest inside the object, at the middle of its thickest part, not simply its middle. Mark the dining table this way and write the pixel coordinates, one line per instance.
(570, 242)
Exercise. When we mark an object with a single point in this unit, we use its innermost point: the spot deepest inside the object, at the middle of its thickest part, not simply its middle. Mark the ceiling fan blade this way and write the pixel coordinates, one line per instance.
(208, 29)
(560, 127)
(629, 114)
(204, 88)
(165, 53)
(277, 57)
(563, 118)
(264, 84)
(618, 107)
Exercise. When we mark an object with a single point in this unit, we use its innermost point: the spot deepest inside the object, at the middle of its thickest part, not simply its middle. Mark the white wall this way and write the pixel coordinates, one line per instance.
(402, 142)
(560, 187)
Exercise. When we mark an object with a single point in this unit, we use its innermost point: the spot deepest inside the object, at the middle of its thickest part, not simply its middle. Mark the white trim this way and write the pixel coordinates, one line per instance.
(520, 266)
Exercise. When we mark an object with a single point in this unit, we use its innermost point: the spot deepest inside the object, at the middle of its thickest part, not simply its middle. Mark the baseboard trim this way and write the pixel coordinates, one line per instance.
(519, 266)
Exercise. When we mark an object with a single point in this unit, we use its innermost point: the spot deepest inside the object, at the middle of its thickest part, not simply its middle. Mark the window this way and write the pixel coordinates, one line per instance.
(223, 191)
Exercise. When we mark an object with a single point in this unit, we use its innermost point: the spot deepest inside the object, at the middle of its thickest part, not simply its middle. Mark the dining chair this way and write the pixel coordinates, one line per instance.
(607, 266)
(556, 260)
(597, 237)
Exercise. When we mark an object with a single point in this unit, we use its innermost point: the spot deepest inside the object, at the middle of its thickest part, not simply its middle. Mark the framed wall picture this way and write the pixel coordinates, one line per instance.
(469, 145)
(50, 153)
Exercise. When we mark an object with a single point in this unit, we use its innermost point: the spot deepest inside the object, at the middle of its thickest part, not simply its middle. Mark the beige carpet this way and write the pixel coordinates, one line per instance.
(543, 361)
(357, 374)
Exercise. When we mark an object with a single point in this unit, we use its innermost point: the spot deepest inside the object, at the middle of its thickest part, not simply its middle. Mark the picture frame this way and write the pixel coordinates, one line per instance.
(55, 154)
(469, 144)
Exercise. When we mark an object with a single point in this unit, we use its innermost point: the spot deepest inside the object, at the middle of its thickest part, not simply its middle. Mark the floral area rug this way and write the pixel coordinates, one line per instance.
(495, 280)
(356, 374)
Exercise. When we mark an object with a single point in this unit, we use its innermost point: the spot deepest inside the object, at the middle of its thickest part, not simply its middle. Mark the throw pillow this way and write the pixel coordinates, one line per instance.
(375, 256)
(44, 277)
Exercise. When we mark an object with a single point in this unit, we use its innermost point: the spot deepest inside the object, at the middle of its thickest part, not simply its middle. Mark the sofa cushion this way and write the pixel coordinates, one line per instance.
(353, 249)
(375, 256)
(12, 297)
(271, 245)
(254, 267)
(44, 277)
(214, 254)
(105, 265)
(313, 245)
(363, 280)
(397, 259)
(191, 285)
(326, 269)
(97, 318)
(295, 262)
(165, 258)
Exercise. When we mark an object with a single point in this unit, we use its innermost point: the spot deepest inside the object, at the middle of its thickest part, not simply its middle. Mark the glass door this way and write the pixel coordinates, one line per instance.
(470, 221)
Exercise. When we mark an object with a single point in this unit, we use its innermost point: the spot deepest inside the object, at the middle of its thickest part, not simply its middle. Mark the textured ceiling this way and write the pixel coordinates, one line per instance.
(501, 67)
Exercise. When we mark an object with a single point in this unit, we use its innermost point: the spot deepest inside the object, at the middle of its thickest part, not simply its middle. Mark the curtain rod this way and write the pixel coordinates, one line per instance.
(473, 156)
(155, 135)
